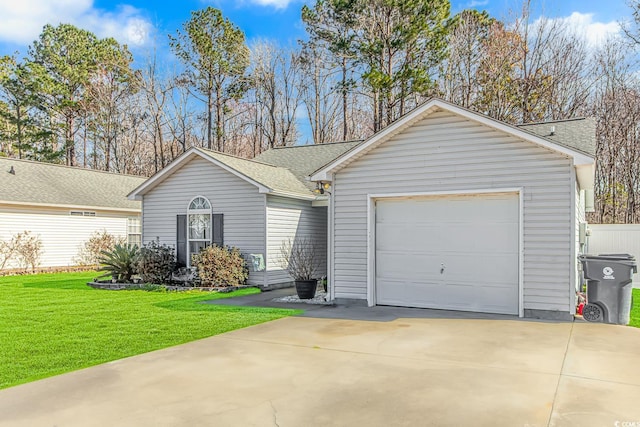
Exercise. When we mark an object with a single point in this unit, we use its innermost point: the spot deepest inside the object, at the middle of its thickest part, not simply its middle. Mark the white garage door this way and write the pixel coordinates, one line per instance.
(453, 252)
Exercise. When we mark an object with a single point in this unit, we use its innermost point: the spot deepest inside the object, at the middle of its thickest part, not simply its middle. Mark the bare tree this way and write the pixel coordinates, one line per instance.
(275, 78)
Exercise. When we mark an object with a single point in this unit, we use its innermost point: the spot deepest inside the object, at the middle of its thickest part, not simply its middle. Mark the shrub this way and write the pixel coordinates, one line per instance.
(221, 266)
(120, 262)
(24, 247)
(156, 262)
(100, 241)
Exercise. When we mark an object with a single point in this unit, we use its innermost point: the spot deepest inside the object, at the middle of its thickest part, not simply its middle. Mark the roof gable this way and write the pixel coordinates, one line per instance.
(46, 184)
(283, 171)
(265, 177)
(419, 113)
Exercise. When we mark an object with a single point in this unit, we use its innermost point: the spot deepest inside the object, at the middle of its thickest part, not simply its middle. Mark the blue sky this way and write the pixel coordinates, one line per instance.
(144, 23)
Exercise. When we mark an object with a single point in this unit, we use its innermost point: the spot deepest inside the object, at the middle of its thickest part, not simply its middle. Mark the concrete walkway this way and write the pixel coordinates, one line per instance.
(304, 371)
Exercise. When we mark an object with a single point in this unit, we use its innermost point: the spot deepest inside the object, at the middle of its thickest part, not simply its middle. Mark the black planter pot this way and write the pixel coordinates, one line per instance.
(306, 289)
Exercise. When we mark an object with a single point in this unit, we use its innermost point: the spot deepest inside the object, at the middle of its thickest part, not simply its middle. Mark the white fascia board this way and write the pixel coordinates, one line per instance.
(181, 160)
(67, 206)
(292, 195)
(422, 111)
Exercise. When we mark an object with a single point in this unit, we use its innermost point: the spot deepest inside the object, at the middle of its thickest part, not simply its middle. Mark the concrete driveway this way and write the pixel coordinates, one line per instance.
(315, 372)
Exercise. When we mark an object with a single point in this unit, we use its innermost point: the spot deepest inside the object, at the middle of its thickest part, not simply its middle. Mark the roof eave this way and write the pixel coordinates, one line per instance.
(290, 195)
(69, 206)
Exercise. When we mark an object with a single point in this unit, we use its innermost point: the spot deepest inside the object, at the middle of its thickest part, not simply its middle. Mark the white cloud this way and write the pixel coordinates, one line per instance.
(21, 21)
(475, 3)
(278, 4)
(595, 33)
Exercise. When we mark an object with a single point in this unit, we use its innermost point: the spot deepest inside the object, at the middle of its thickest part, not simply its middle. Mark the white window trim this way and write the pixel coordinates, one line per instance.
(195, 212)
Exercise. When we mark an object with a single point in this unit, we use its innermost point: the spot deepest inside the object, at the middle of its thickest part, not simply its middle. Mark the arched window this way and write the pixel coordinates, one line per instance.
(198, 225)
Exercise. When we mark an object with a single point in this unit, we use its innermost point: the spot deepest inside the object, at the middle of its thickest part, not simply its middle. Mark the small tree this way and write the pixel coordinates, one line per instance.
(29, 250)
(24, 247)
(99, 242)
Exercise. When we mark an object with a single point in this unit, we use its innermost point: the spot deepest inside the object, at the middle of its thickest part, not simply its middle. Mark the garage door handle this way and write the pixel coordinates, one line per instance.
(442, 267)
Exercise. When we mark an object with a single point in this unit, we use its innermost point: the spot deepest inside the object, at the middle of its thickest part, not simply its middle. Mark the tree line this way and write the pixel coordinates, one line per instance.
(77, 99)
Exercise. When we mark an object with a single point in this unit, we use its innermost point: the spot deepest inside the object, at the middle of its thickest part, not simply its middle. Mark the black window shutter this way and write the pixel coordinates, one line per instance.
(217, 237)
(181, 241)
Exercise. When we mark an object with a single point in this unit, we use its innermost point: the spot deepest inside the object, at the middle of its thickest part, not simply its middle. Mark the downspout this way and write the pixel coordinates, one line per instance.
(574, 242)
(330, 237)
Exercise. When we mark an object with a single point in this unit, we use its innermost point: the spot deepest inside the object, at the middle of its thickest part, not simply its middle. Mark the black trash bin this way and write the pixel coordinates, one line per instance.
(609, 287)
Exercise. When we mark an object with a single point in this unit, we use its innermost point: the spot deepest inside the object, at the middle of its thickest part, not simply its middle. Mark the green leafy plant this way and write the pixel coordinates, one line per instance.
(221, 266)
(120, 262)
(156, 262)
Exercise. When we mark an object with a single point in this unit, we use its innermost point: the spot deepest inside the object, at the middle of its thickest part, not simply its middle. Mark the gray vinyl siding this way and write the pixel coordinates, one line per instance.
(445, 152)
(289, 219)
(243, 207)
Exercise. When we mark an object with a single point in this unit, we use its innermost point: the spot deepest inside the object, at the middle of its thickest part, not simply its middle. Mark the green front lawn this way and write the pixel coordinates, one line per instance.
(55, 323)
(635, 309)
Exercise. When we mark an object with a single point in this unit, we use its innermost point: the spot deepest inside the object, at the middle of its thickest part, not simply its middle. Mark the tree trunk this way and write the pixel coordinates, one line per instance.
(345, 128)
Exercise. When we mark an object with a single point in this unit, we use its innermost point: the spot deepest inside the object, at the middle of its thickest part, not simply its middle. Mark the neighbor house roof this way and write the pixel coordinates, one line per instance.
(282, 171)
(578, 133)
(26, 182)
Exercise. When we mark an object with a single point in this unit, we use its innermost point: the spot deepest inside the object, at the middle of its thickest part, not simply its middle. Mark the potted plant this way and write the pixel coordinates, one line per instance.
(299, 259)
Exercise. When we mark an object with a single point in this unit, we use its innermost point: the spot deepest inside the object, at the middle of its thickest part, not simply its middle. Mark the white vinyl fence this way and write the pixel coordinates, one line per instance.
(615, 238)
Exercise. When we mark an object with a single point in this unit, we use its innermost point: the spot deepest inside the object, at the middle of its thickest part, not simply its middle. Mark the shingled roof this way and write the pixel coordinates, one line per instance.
(578, 134)
(303, 160)
(34, 183)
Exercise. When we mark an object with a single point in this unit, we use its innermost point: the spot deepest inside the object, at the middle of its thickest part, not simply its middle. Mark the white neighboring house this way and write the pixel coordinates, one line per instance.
(64, 206)
(445, 208)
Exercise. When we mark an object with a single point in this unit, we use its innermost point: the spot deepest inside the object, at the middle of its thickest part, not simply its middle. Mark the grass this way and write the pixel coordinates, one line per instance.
(55, 323)
(635, 309)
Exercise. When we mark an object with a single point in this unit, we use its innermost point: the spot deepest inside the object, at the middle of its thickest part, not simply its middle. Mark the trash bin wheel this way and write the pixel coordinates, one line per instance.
(592, 313)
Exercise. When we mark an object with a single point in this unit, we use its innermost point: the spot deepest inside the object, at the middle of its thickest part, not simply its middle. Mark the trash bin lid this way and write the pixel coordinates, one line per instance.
(608, 257)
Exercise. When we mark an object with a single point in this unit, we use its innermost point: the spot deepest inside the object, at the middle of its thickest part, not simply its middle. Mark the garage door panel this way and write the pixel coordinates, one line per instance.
(472, 236)
(409, 238)
(457, 253)
(492, 268)
(396, 265)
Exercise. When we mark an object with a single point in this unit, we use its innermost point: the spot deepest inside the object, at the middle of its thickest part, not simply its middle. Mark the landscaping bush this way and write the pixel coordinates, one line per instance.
(221, 266)
(100, 241)
(120, 262)
(25, 248)
(156, 262)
